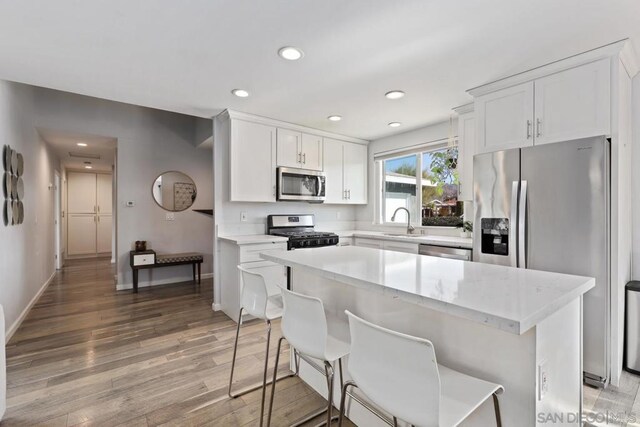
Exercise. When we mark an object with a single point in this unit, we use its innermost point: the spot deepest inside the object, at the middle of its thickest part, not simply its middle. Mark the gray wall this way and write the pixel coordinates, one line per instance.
(26, 250)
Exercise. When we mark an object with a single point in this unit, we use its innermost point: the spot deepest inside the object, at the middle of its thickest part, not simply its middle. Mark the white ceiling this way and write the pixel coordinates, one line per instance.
(64, 143)
(188, 56)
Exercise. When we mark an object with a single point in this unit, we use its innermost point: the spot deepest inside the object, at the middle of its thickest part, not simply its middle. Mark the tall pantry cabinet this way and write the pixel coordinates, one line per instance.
(90, 216)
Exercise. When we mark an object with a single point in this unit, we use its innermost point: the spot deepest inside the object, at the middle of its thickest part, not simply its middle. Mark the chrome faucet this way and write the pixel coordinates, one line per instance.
(409, 226)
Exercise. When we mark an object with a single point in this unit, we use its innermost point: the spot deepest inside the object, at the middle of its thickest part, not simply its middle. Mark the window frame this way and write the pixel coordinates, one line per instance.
(380, 205)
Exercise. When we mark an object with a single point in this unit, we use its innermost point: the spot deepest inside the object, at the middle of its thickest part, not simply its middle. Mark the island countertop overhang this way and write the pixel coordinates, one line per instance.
(511, 299)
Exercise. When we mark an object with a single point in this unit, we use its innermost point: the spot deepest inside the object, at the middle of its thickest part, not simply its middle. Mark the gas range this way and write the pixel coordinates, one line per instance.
(300, 231)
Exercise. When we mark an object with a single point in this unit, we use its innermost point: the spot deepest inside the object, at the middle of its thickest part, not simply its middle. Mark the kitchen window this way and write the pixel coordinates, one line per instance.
(424, 181)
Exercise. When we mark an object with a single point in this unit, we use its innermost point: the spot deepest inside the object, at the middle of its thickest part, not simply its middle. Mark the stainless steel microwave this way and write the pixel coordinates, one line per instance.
(301, 185)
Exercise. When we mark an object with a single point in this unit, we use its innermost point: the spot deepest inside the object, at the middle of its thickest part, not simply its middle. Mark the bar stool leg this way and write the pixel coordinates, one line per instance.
(496, 407)
(343, 398)
(273, 382)
(235, 351)
(328, 369)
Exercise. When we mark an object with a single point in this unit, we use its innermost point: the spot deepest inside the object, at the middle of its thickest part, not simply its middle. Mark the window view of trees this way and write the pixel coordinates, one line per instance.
(437, 202)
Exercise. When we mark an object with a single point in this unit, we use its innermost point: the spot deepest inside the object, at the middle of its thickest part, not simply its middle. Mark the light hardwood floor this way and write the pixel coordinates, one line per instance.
(88, 355)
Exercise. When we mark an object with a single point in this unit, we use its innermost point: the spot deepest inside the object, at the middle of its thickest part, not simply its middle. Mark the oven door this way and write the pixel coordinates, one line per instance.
(301, 185)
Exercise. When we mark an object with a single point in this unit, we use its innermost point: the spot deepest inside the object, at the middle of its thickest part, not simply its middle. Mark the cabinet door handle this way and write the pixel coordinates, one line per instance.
(344, 194)
(349, 192)
(94, 219)
(98, 208)
(94, 208)
(299, 157)
(304, 158)
(538, 127)
(528, 129)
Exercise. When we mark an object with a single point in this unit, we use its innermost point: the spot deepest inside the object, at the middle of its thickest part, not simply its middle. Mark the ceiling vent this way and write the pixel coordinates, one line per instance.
(84, 155)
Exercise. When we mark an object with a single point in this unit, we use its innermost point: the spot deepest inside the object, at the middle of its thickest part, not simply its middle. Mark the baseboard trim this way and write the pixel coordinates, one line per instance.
(216, 306)
(125, 286)
(16, 324)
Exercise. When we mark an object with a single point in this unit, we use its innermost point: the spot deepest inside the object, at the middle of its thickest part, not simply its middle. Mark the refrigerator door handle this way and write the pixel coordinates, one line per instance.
(513, 257)
(522, 224)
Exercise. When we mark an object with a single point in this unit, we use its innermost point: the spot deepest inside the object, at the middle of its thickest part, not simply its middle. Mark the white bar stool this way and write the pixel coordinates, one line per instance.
(313, 334)
(262, 300)
(414, 387)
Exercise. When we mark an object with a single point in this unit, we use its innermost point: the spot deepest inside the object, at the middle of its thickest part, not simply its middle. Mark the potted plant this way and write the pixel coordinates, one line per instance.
(466, 228)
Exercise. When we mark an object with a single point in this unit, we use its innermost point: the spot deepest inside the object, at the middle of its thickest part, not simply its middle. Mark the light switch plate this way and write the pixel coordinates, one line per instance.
(243, 217)
(170, 216)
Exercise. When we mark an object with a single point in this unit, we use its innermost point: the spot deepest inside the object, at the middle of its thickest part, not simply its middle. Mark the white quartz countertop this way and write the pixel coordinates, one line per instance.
(253, 239)
(449, 241)
(507, 298)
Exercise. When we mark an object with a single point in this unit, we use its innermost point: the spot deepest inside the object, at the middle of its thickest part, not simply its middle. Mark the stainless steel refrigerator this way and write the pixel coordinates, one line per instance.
(547, 207)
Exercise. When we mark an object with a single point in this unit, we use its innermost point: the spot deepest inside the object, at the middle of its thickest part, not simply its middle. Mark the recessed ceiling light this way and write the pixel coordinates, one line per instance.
(88, 167)
(290, 53)
(394, 124)
(394, 94)
(240, 93)
(81, 144)
(335, 118)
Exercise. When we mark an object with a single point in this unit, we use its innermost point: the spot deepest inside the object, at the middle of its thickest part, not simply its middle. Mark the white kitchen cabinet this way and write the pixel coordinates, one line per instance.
(567, 104)
(247, 256)
(573, 104)
(466, 150)
(288, 151)
(504, 119)
(410, 248)
(355, 172)
(368, 243)
(299, 150)
(252, 162)
(346, 241)
(82, 236)
(345, 166)
(311, 149)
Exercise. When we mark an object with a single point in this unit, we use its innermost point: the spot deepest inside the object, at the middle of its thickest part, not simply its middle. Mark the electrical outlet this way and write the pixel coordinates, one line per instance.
(130, 203)
(170, 216)
(243, 217)
(543, 380)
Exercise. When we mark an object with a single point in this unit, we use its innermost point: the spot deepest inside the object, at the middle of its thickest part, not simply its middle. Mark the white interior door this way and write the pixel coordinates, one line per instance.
(288, 149)
(574, 104)
(104, 193)
(56, 222)
(81, 192)
(82, 234)
(355, 172)
(333, 170)
(104, 234)
(504, 119)
(311, 152)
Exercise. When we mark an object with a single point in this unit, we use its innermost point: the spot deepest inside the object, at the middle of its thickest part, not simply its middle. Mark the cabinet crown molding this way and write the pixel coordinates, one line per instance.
(463, 109)
(621, 49)
(238, 115)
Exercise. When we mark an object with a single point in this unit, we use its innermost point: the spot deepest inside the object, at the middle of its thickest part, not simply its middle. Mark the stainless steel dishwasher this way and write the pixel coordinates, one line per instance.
(445, 252)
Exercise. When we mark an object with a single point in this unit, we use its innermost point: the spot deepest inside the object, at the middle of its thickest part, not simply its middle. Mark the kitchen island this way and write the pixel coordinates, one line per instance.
(520, 328)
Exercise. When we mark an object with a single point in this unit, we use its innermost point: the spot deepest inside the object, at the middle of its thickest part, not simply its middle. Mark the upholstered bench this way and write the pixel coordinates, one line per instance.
(149, 259)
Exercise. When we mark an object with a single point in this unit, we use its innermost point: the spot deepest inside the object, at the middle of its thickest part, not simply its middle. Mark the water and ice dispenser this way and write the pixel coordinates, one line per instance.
(495, 236)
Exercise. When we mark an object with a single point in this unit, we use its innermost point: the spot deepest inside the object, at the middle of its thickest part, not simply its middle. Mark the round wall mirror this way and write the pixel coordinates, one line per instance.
(174, 191)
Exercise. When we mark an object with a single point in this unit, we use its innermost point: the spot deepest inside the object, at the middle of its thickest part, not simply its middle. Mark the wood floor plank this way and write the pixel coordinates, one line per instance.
(88, 355)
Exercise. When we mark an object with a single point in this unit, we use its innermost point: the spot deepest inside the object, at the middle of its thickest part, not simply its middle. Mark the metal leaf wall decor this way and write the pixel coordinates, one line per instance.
(13, 186)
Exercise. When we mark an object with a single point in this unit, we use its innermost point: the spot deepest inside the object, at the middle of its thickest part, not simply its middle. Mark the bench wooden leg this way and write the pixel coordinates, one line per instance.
(135, 280)
(199, 273)
(193, 266)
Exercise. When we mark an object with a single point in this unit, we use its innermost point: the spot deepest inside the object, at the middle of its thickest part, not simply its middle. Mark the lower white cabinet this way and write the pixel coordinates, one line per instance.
(410, 248)
(389, 245)
(104, 232)
(368, 243)
(248, 256)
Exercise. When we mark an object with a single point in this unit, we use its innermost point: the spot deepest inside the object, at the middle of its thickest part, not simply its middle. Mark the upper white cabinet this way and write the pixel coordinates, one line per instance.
(573, 104)
(104, 194)
(252, 162)
(345, 166)
(505, 118)
(81, 190)
(257, 146)
(299, 150)
(563, 105)
(466, 150)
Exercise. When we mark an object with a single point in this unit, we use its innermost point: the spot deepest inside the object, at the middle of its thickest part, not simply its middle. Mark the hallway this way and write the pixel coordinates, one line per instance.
(88, 355)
